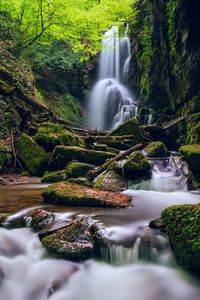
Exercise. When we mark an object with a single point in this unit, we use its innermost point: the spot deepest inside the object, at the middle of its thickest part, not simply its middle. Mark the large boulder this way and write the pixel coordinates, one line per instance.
(31, 154)
(78, 169)
(136, 165)
(57, 176)
(130, 127)
(156, 149)
(182, 226)
(62, 155)
(49, 135)
(71, 194)
(110, 181)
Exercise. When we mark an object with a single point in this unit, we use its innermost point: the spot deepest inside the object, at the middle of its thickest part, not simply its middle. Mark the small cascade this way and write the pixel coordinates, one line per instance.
(167, 176)
(111, 103)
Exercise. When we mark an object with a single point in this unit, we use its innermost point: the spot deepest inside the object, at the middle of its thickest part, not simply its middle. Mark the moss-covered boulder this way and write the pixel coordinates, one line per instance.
(192, 154)
(49, 135)
(81, 181)
(5, 157)
(78, 169)
(182, 223)
(136, 165)
(57, 176)
(67, 193)
(31, 154)
(193, 129)
(73, 242)
(156, 149)
(41, 218)
(110, 181)
(116, 167)
(62, 155)
(130, 127)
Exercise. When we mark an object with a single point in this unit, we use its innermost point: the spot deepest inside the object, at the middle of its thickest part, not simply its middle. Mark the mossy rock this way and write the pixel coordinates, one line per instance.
(193, 129)
(81, 181)
(110, 181)
(67, 193)
(130, 127)
(49, 135)
(52, 177)
(156, 149)
(78, 169)
(31, 154)
(5, 157)
(183, 227)
(73, 242)
(136, 165)
(101, 147)
(62, 155)
(116, 167)
(192, 154)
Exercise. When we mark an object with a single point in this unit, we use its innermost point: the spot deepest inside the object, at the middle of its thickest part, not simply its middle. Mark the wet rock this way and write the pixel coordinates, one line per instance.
(66, 193)
(74, 242)
(183, 227)
(41, 219)
(52, 177)
(49, 135)
(110, 181)
(31, 154)
(78, 169)
(62, 155)
(155, 149)
(136, 165)
(157, 224)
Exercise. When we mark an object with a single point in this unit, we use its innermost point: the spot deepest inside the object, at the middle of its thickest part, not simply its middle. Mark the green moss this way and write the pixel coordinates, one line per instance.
(183, 227)
(116, 167)
(110, 181)
(192, 154)
(193, 129)
(156, 149)
(130, 127)
(55, 176)
(5, 158)
(31, 154)
(50, 135)
(81, 181)
(101, 147)
(136, 165)
(77, 169)
(62, 155)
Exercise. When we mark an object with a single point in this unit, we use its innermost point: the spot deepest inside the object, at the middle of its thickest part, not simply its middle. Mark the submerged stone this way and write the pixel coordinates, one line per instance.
(31, 154)
(155, 149)
(182, 223)
(62, 155)
(110, 181)
(71, 194)
(136, 165)
(49, 135)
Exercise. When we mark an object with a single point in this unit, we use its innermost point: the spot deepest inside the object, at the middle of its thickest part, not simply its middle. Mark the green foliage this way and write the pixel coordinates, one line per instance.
(80, 21)
(171, 8)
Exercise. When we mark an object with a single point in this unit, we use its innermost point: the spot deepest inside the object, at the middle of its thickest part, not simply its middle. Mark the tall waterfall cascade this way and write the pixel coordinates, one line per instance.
(111, 103)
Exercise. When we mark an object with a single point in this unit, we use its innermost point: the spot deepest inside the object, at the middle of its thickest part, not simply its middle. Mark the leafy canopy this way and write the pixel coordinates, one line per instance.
(80, 21)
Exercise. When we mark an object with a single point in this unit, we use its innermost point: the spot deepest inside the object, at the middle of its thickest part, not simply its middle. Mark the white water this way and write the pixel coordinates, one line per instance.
(111, 102)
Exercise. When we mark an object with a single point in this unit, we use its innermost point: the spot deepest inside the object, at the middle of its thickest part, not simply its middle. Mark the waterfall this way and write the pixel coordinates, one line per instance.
(111, 103)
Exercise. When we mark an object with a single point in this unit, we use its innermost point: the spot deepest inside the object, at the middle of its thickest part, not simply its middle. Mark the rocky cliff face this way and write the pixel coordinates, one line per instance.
(166, 60)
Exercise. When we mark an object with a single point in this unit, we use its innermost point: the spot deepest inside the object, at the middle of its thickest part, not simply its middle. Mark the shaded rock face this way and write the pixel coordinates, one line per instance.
(110, 181)
(182, 227)
(165, 69)
(71, 194)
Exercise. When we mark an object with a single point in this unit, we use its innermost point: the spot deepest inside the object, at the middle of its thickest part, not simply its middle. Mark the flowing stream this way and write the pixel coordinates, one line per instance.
(111, 103)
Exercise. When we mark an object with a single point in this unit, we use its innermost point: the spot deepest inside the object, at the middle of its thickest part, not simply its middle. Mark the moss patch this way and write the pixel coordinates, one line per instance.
(31, 154)
(110, 182)
(77, 169)
(156, 149)
(55, 176)
(183, 227)
(49, 135)
(192, 154)
(62, 155)
(136, 165)
(66, 193)
(5, 158)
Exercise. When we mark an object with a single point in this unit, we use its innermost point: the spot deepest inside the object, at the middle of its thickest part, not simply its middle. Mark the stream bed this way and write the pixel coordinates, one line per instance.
(126, 272)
